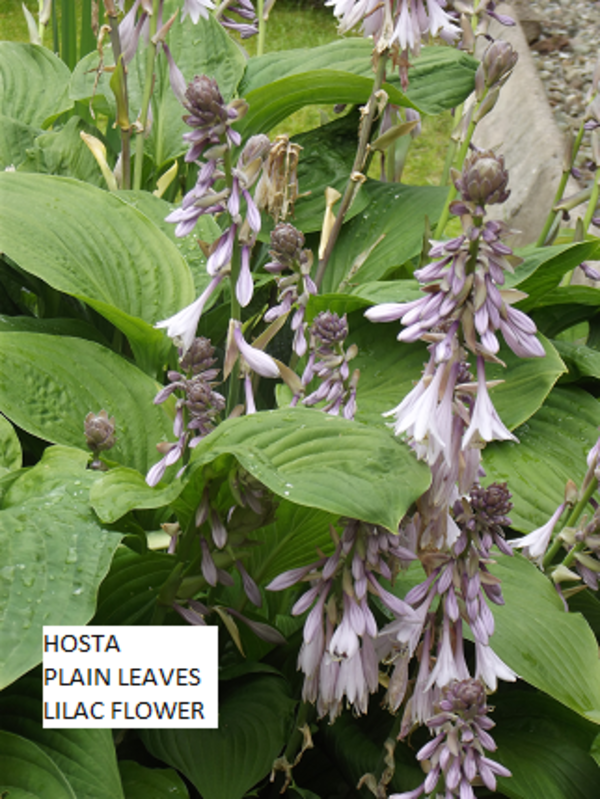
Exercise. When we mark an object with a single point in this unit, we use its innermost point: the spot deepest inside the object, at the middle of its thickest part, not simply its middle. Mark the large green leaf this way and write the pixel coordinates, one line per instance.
(128, 593)
(63, 152)
(545, 746)
(581, 361)
(202, 49)
(553, 448)
(543, 268)
(140, 782)
(10, 448)
(292, 540)
(15, 139)
(553, 650)
(323, 462)
(34, 84)
(254, 717)
(49, 384)
(439, 79)
(271, 104)
(92, 245)
(54, 556)
(564, 307)
(392, 223)
(26, 772)
(86, 758)
(122, 490)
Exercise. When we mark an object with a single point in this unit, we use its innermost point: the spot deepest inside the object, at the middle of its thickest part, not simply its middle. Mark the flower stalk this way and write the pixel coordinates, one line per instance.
(146, 98)
(357, 168)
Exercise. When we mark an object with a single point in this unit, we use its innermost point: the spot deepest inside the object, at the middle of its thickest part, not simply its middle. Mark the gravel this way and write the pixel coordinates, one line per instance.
(564, 37)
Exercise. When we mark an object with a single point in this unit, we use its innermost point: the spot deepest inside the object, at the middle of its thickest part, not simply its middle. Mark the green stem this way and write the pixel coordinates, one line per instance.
(115, 40)
(146, 97)
(262, 28)
(587, 221)
(235, 309)
(357, 168)
(553, 215)
(452, 191)
(571, 520)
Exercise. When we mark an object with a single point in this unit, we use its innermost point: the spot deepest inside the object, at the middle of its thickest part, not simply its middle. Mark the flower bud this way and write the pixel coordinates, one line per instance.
(205, 102)
(199, 357)
(483, 179)
(329, 328)
(100, 431)
(498, 62)
(286, 243)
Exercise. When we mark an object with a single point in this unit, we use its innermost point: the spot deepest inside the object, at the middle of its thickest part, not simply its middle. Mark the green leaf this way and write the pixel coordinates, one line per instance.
(116, 260)
(11, 456)
(122, 490)
(322, 462)
(254, 717)
(15, 139)
(271, 104)
(377, 227)
(552, 650)
(441, 78)
(292, 540)
(565, 307)
(543, 268)
(86, 758)
(140, 782)
(34, 84)
(553, 447)
(62, 152)
(581, 361)
(545, 746)
(54, 556)
(128, 593)
(54, 326)
(206, 230)
(49, 384)
(26, 771)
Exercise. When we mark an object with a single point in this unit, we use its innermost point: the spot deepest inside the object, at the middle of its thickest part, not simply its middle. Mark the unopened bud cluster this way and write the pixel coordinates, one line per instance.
(99, 435)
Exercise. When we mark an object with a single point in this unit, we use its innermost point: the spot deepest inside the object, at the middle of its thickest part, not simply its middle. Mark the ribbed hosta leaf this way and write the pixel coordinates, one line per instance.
(140, 782)
(15, 139)
(271, 104)
(48, 385)
(86, 758)
(323, 462)
(92, 245)
(564, 307)
(54, 556)
(543, 268)
(391, 226)
(10, 447)
(34, 84)
(440, 78)
(545, 746)
(553, 650)
(254, 717)
(26, 771)
(553, 448)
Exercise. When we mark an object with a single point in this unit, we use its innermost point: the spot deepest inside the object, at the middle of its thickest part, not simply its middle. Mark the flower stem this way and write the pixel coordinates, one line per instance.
(115, 40)
(593, 202)
(262, 28)
(452, 191)
(553, 215)
(356, 175)
(571, 520)
(146, 97)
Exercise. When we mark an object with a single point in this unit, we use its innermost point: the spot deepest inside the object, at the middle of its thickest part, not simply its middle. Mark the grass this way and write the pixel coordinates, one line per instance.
(305, 26)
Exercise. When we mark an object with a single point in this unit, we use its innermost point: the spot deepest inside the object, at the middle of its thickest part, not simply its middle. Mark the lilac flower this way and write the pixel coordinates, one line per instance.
(196, 9)
(485, 423)
(257, 360)
(490, 667)
(182, 326)
(536, 543)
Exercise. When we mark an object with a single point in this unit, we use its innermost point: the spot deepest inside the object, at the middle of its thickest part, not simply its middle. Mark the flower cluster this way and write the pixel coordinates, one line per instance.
(457, 750)
(218, 190)
(197, 409)
(404, 23)
(293, 290)
(338, 654)
(329, 361)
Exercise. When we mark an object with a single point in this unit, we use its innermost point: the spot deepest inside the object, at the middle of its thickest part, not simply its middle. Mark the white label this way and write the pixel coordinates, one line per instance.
(130, 677)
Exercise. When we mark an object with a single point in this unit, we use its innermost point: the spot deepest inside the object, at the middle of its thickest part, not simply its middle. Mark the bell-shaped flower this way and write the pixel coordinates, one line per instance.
(485, 424)
(536, 543)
